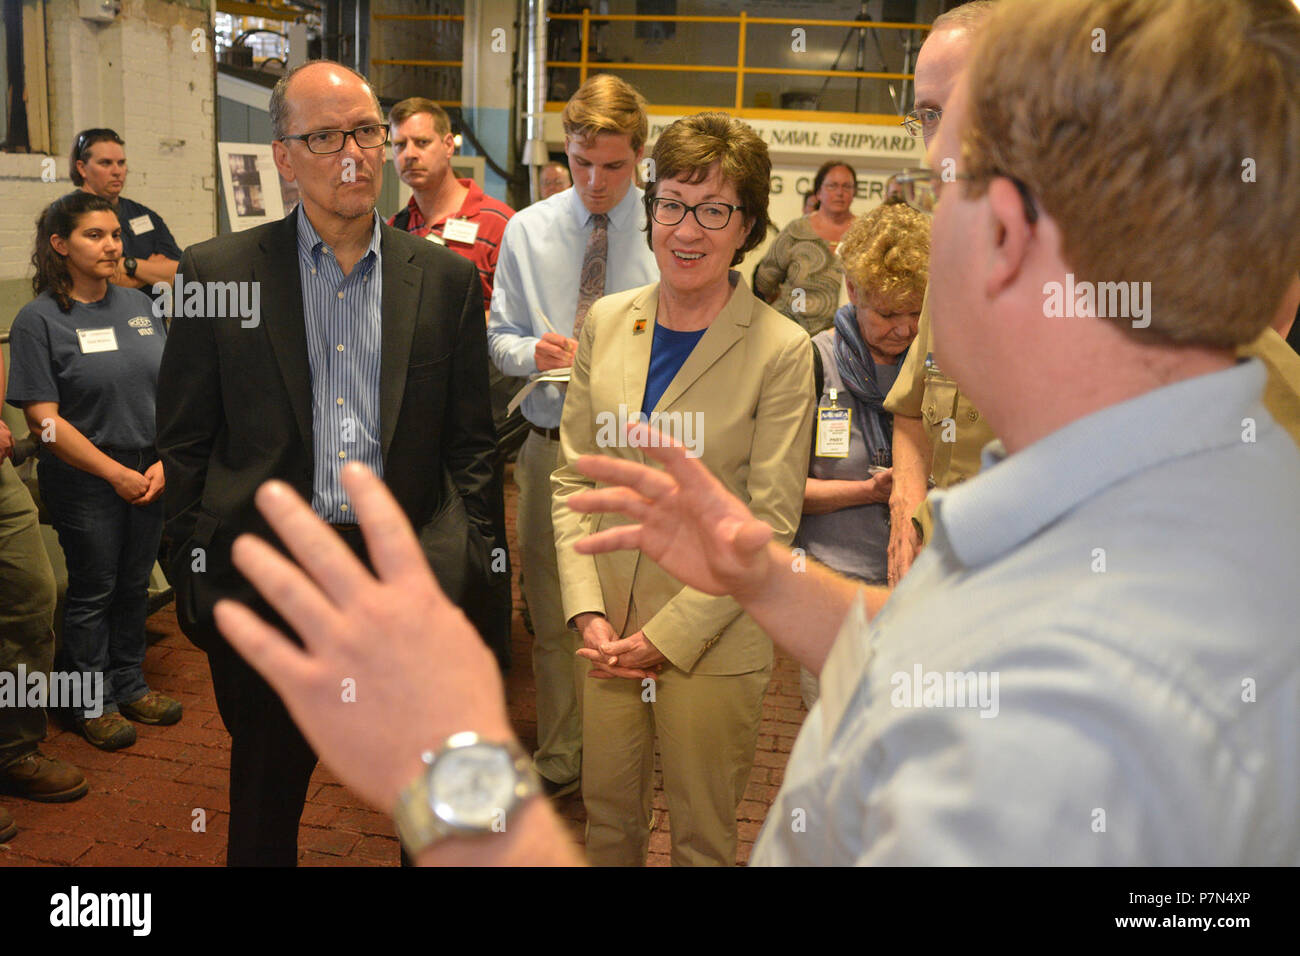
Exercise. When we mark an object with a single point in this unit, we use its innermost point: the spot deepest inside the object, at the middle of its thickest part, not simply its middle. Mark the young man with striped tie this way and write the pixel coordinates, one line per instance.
(557, 257)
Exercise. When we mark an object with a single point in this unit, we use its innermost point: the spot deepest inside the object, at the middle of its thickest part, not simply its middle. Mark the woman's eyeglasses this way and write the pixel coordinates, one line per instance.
(710, 215)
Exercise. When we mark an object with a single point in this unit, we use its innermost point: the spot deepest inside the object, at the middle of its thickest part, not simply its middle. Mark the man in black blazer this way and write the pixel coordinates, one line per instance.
(367, 344)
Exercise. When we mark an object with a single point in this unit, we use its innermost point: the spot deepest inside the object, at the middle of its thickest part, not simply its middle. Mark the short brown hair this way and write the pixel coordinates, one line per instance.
(692, 146)
(403, 111)
(606, 104)
(1146, 154)
(886, 252)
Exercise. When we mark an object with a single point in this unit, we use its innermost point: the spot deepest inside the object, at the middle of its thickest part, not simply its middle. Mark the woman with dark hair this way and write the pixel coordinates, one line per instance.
(85, 356)
(801, 274)
(731, 379)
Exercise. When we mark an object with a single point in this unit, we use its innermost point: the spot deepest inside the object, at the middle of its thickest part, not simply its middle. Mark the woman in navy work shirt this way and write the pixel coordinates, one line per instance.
(85, 356)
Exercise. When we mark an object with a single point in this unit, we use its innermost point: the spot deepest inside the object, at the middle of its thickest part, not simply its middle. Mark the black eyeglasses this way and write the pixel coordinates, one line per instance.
(919, 192)
(332, 140)
(710, 215)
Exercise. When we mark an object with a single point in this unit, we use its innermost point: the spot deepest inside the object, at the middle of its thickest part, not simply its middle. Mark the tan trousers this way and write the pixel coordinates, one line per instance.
(708, 731)
(559, 715)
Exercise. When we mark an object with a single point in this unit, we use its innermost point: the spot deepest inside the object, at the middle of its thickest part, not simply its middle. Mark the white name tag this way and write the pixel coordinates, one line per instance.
(833, 432)
(97, 340)
(434, 237)
(141, 224)
(460, 230)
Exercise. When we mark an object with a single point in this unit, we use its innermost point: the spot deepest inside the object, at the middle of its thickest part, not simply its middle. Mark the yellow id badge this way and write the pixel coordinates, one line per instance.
(833, 432)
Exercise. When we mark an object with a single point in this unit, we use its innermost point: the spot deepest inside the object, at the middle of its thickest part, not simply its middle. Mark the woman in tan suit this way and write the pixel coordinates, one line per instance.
(731, 379)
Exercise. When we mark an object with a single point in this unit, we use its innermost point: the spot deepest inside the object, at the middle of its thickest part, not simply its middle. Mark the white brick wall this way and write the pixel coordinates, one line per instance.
(139, 76)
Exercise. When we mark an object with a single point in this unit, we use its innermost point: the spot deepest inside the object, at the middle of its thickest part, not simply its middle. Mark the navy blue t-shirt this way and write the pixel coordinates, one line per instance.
(99, 361)
(144, 232)
(668, 352)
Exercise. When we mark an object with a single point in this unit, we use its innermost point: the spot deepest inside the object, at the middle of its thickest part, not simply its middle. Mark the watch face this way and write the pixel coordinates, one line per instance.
(473, 787)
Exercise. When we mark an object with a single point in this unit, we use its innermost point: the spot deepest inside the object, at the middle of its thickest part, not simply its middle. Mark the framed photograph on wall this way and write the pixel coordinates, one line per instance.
(251, 184)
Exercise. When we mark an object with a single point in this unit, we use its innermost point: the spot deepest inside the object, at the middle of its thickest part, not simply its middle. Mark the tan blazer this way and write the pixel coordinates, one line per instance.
(749, 385)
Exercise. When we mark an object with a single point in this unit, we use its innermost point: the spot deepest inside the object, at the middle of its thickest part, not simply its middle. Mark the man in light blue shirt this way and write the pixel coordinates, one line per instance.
(548, 272)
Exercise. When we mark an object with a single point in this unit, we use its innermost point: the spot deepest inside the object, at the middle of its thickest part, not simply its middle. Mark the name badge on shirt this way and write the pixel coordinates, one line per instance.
(833, 432)
(460, 230)
(141, 223)
(434, 237)
(97, 340)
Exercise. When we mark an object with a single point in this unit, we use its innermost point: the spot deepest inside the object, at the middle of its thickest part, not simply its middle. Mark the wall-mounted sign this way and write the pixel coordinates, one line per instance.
(255, 193)
(803, 140)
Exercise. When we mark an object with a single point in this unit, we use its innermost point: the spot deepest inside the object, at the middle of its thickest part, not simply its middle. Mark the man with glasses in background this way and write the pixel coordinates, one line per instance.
(938, 433)
(368, 345)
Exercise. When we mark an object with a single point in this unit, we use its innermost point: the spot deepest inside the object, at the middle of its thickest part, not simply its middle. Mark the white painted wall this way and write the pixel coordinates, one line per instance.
(140, 76)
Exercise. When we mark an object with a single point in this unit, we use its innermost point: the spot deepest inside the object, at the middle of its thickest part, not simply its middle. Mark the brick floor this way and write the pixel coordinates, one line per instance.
(163, 801)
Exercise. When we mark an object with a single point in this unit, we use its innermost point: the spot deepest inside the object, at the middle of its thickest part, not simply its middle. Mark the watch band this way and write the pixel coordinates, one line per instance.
(129, 265)
(420, 827)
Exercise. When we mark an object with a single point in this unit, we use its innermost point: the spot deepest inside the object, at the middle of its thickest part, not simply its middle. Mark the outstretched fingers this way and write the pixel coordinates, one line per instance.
(623, 538)
(624, 501)
(687, 472)
(274, 656)
(313, 543)
(286, 588)
(648, 482)
(390, 541)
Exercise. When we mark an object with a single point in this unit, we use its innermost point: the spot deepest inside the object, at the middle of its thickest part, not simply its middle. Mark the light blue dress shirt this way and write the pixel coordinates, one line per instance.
(344, 319)
(538, 270)
(1119, 602)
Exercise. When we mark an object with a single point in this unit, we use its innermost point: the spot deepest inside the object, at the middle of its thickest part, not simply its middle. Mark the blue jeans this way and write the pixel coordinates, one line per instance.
(110, 546)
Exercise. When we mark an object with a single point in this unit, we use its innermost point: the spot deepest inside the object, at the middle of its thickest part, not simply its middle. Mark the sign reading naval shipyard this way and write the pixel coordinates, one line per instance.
(887, 146)
(784, 136)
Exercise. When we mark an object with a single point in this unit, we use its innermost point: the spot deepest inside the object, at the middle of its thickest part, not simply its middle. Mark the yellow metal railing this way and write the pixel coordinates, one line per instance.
(741, 69)
(445, 17)
(267, 11)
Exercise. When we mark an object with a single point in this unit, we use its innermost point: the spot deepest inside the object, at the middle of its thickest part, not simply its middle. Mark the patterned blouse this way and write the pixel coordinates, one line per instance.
(800, 259)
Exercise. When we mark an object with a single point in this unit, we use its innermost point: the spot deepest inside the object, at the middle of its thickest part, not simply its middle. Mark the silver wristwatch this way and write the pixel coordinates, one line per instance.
(469, 786)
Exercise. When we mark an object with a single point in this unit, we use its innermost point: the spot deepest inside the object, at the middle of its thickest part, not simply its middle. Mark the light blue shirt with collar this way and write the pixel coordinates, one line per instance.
(344, 323)
(1118, 604)
(538, 270)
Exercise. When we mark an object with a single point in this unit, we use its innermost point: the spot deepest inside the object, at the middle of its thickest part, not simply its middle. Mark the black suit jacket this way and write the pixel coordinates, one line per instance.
(235, 409)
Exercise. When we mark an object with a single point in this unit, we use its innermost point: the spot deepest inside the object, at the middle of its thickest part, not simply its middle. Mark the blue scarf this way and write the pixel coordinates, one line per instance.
(858, 372)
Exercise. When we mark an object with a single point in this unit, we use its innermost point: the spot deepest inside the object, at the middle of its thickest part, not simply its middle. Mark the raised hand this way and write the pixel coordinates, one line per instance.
(389, 666)
(690, 524)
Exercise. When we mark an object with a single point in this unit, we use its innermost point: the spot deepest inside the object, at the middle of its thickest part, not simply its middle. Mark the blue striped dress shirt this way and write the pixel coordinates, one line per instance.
(344, 339)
